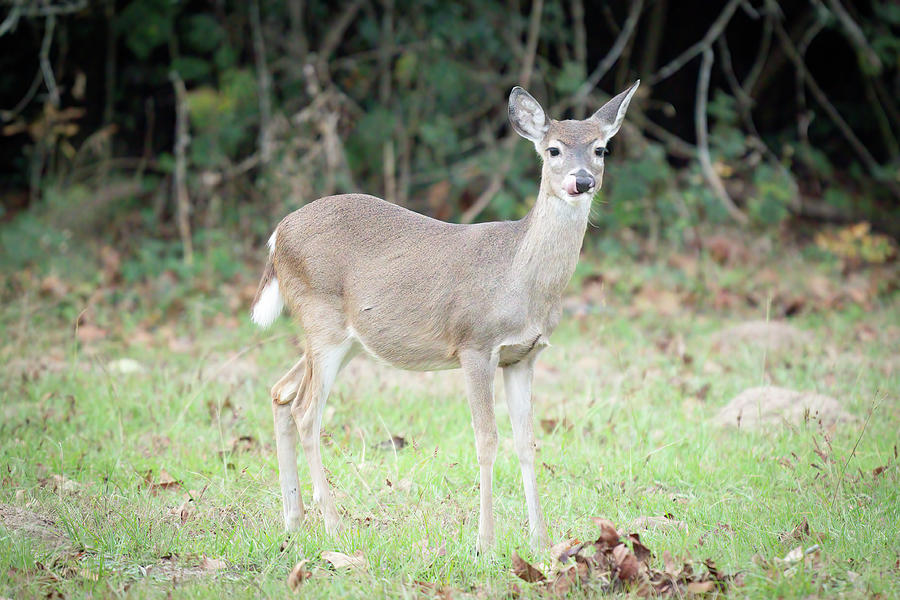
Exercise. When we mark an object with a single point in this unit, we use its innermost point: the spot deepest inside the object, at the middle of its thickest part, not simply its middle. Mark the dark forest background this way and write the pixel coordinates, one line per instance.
(161, 127)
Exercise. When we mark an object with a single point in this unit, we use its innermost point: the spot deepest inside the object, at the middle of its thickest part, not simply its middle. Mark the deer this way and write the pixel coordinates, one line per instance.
(361, 274)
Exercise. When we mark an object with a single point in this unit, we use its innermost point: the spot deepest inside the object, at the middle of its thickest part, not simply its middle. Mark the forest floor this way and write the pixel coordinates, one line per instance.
(137, 457)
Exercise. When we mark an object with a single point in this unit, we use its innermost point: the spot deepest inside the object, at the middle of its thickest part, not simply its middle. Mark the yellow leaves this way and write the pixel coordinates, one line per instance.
(857, 243)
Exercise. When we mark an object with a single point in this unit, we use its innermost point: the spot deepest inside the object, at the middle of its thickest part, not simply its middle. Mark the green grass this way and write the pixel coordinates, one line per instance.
(627, 433)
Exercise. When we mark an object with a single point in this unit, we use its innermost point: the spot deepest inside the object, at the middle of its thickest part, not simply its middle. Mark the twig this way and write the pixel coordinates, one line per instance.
(855, 34)
(496, 182)
(579, 43)
(744, 104)
(182, 139)
(712, 178)
(764, 45)
(11, 20)
(705, 43)
(820, 96)
(46, 69)
(9, 115)
(613, 55)
(109, 77)
(264, 83)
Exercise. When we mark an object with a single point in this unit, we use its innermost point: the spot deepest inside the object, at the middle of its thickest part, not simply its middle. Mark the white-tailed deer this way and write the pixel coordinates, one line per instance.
(363, 274)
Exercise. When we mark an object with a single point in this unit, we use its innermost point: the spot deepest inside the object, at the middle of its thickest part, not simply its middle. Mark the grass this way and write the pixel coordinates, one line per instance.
(623, 424)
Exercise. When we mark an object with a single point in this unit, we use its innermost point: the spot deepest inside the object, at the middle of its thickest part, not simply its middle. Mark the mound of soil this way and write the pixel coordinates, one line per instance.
(760, 407)
(766, 335)
(32, 525)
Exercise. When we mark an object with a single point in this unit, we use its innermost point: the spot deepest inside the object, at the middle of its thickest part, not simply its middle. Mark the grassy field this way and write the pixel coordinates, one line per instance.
(139, 460)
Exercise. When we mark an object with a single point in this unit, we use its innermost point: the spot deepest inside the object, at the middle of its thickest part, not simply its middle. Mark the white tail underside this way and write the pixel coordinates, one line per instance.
(271, 302)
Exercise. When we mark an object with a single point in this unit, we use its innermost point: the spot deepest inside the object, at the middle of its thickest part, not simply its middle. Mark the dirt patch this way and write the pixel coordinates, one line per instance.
(765, 335)
(32, 525)
(760, 407)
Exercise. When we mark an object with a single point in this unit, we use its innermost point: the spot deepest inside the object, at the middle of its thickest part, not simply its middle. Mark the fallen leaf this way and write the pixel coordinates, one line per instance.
(525, 570)
(658, 523)
(339, 560)
(395, 443)
(54, 286)
(641, 552)
(165, 482)
(700, 587)
(796, 534)
(298, 575)
(561, 551)
(626, 562)
(89, 333)
(212, 564)
(608, 533)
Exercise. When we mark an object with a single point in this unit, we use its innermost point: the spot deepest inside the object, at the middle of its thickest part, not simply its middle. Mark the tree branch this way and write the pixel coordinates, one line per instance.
(182, 139)
(264, 83)
(496, 182)
(712, 178)
(614, 52)
(705, 43)
(820, 96)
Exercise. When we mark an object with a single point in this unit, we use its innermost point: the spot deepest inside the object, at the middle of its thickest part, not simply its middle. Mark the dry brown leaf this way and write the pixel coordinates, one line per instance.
(298, 575)
(525, 570)
(700, 587)
(626, 562)
(54, 286)
(658, 523)
(88, 333)
(339, 560)
(671, 567)
(798, 533)
(395, 443)
(608, 533)
(561, 551)
(212, 564)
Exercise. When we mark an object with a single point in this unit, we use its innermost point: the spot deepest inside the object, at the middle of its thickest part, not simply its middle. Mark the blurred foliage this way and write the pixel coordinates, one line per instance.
(857, 243)
(288, 101)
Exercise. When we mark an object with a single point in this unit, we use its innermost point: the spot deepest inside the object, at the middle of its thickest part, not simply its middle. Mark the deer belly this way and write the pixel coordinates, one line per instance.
(413, 353)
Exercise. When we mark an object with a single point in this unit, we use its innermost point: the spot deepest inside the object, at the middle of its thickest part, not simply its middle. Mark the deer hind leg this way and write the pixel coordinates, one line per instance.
(478, 370)
(286, 439)
(286, 388)
(517, 383)
(323, 366)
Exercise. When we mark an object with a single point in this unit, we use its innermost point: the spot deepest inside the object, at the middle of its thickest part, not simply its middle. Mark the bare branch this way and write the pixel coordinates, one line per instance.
(855, 34)
(613, 55)
(11, 20)
(764, 45)
(264, 83)
(496, 182)
(182, 139)
(712, 178)
(579, 43)
(46, 69)
(705, 43)
(820, 96)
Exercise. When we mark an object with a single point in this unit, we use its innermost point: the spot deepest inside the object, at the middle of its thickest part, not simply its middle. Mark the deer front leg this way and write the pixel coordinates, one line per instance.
(517, 381)
(478, 369)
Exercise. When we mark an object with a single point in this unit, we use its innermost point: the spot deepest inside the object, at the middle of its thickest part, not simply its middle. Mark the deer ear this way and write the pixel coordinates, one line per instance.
(526, 115)
(611, 114)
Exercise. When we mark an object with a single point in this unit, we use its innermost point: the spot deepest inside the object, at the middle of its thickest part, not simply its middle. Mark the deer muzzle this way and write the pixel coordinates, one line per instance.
(578, 182)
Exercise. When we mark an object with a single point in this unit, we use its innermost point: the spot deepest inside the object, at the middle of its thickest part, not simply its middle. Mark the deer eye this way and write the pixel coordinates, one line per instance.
(601, 151)
(553, 151)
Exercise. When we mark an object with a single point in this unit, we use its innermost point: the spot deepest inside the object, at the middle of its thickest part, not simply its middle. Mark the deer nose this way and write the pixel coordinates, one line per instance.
(583, 181)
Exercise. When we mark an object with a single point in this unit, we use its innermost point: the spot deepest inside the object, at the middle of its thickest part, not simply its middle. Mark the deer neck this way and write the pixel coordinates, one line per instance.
(548, 249)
